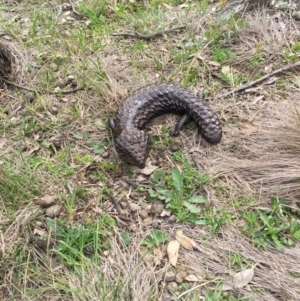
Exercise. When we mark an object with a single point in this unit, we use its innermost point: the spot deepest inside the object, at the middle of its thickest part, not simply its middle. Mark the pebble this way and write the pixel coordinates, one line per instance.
(54, 67)
(54, 110)
(134, 207)
(172, 218)
(143, 214)
(157, 208)
(47, 200)
(53, 211)
(105, 155)
(29, 96)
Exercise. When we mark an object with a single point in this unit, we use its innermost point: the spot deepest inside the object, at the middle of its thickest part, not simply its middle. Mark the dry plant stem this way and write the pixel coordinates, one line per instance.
(248, 85)
(138, 35)
(195, 287)
(42, 91)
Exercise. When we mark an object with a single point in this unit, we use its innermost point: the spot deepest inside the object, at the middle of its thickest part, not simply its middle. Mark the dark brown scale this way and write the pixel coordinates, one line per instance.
(132, 143)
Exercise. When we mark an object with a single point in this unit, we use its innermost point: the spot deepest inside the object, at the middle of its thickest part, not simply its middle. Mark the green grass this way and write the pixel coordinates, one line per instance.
(78, 243)
(276, 227)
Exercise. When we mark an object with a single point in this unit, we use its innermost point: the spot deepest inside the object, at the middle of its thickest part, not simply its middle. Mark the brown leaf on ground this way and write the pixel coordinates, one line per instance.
(239, 280)
(172, 250)
(185, 241)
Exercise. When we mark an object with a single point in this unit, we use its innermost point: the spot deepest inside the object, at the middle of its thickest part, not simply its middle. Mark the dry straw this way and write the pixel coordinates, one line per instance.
(13, 63)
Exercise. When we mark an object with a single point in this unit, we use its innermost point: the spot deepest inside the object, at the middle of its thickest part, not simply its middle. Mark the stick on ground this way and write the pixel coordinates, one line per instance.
(138, 35)
(41, 91)
(248, 85)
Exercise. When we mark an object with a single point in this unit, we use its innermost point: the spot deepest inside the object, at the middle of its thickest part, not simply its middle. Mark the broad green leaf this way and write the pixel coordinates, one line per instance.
(98, 148)
(191, 208)
(152, 193)
(177, 179)
(295, 226)
(296, 235)
(264, 218)
(158, 176)
(197, 199)
(155, 238)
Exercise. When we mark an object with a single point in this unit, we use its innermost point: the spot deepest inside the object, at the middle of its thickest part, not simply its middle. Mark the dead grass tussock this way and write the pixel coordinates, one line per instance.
(264, 37)
(273, 268)
(13, 62)
(123, 271)
(265, 156)
(11, 234)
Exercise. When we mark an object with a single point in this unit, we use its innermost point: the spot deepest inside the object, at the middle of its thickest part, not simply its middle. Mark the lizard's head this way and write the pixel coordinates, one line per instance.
(133, 146)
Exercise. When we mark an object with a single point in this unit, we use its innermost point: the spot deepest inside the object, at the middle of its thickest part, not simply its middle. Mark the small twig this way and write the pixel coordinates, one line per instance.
(195, 287)
(248, 85)
(117, 206)
(138, 35)
(42, 91)
(133, 182)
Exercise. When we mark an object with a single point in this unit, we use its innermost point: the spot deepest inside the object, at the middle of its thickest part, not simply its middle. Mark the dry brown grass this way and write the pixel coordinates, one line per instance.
(258, 158)
(13, 63)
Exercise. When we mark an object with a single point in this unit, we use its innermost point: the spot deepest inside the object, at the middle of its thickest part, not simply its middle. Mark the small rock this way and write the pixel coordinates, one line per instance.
(70, 77)
(170, 277)
(54, 110)
(105, 155)
(62, 82)
(134, 194)
(56, 89)
(134, 207)
(6, 37)
(157, 208)
(29, 96)
(53, 211)
(54, 67)
(172, 218)
(143, 214)
(47, 200)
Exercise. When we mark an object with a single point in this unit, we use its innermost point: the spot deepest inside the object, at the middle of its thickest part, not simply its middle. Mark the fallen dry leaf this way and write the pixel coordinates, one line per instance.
(239, 280)
(191, 278)
(185, 241)
(172, 250)
(148, 170)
